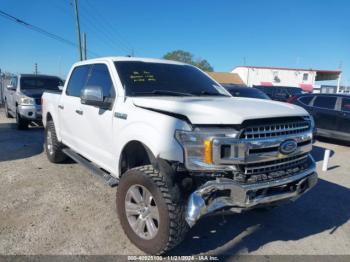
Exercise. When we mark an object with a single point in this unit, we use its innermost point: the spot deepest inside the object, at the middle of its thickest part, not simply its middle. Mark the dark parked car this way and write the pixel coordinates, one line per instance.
(243, 91)
(331, 113)
(280, 93)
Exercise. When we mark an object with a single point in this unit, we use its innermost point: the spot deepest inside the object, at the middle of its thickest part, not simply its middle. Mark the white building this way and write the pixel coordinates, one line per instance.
(277, 76)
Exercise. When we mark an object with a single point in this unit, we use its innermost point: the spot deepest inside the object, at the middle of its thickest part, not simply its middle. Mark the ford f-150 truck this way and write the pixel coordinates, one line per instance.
(23, 97)
(177, 144)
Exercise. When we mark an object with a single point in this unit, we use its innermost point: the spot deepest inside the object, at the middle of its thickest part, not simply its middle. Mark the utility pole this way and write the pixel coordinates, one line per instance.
(1, 89)
(84, 46)
(78, 29)
(339, 76)
(36, 68)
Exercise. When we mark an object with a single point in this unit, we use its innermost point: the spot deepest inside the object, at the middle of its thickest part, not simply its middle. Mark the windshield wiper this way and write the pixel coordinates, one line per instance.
(207, 93)
(163, 92)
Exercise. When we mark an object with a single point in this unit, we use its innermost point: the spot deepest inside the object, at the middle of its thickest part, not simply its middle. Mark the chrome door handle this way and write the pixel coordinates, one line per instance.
(80, 112)
(60, 107)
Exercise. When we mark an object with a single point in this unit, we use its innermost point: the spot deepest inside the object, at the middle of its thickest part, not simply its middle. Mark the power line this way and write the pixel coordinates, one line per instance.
(107, 25)
(91, 21)
(39, 30)
(87, 20)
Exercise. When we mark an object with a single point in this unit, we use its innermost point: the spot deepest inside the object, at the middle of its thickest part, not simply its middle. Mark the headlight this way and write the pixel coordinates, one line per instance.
(198, 146)
(26, 101)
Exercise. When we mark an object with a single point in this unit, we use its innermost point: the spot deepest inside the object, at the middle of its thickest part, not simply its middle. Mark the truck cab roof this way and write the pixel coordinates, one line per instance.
(126, 58)
(37, 75)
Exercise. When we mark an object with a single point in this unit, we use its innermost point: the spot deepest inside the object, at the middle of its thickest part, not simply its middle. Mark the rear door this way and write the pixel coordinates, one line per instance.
(325, 114)
(69, 108)
(343, 121)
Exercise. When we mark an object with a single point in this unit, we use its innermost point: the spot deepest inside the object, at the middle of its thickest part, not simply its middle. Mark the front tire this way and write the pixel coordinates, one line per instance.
(53, 147)
(22, 124)
(150, 210)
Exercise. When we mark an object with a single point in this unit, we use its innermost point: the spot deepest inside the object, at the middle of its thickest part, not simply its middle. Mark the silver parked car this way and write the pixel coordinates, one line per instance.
(23, 97)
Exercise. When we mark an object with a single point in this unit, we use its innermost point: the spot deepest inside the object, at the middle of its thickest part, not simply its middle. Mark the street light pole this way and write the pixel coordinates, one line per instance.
(78, 29)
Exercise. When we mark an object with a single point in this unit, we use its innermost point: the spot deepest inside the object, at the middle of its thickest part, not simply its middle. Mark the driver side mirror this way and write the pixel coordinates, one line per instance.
(11, 87)
(93, 96)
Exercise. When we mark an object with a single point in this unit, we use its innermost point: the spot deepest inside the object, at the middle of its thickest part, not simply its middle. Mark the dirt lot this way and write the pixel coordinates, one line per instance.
(62, 209)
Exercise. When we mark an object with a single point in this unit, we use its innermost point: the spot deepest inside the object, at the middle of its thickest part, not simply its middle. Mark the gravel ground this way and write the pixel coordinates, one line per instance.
(51, 209)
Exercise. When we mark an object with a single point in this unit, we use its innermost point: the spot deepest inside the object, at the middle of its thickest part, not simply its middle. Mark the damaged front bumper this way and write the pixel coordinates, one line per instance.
(230, 194)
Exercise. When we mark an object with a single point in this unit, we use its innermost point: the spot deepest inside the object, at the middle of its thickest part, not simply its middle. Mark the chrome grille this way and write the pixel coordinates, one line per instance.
(275, 130)
(271, 170)
(275, 165)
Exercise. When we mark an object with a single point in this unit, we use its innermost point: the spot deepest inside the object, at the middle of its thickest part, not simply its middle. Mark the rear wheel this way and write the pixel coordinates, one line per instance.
(22, 124)
(151, 211)
(53, 147)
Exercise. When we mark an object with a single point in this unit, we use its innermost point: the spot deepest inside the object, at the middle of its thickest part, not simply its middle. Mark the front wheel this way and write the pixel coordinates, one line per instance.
(22, 124)
(150, 211)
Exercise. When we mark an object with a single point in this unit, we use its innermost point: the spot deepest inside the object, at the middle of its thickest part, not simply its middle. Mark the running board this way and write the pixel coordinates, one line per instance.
(110, 180)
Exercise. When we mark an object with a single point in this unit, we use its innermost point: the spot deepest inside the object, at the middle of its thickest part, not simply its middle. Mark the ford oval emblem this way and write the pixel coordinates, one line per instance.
(287, 147)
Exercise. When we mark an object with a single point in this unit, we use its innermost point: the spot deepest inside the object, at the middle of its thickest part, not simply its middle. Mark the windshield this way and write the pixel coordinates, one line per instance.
(155, 79)
(247, 92)
(294, 91)
(50, 83)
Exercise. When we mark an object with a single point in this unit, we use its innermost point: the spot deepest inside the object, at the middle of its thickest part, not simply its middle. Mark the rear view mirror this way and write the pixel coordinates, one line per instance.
(11, 87)
(93, 96)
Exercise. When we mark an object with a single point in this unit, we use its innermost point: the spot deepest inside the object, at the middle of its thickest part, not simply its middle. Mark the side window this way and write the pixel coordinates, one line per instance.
(276, 79)
(305, 100)
(77, 80)
(305, 76)
(14, 81)
(327, 102)
(99, 76)
(345, 105)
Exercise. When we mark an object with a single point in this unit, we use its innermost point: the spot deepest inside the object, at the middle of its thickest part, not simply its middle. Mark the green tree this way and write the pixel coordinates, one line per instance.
(187, 57)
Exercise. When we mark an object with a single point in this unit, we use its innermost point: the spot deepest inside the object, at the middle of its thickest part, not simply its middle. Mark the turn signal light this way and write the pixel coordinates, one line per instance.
(208, 154)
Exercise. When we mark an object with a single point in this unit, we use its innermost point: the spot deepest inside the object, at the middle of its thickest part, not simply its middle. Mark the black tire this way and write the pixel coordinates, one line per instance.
(54, 153)
(7, 113)
(22, 124)
(172, 226)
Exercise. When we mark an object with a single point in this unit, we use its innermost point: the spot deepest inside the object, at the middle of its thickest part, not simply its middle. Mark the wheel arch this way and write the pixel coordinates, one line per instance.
(134, 154)
(49, 117)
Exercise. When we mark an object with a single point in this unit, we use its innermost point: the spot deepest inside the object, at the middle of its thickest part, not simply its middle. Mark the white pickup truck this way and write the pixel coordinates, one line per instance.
(177, 144)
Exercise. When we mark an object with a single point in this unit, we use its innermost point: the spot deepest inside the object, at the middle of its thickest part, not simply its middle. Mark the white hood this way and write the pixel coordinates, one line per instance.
(219, 110)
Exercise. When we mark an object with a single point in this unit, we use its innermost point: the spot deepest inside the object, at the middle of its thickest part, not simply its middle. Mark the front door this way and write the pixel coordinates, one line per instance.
(69, 108)
(96, 130)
